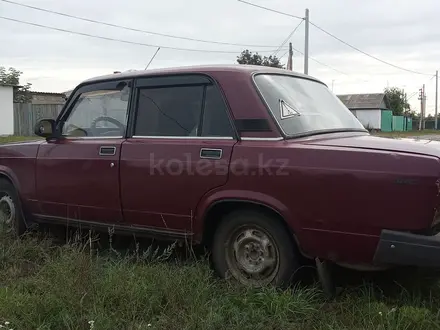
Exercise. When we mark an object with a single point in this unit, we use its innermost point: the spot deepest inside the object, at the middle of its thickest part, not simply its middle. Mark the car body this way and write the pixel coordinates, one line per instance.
(196, 153)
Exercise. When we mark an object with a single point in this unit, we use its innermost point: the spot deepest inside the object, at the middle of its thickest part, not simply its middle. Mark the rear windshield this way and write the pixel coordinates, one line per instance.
(303, 106)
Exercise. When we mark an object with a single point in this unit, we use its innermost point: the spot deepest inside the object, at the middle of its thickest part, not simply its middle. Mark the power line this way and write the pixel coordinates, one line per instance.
(147, 45)
(319, 62)
(131, 29)
(302, 19)
(415, 93)
(269, 9)
(365, 53)
(339, 39)
(411, 96)
(288, 37)
(284, 54)
(328, 66)
(315, 60)
(122, 41)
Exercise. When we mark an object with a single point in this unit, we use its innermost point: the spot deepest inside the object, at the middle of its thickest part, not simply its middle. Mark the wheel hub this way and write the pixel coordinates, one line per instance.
(254, 255)
(7, 210)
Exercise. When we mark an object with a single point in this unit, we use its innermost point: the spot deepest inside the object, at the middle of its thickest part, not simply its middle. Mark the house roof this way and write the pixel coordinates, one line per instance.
(67, 93)
(365, 101)
(8, 85)
(47, 93)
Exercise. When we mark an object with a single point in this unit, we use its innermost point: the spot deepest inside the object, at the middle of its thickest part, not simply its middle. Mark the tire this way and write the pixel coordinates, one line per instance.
(266, 252)
(11, 215)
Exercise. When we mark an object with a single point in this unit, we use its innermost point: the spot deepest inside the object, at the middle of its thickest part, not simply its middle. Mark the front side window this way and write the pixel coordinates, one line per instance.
(304, 106)
(99, 113)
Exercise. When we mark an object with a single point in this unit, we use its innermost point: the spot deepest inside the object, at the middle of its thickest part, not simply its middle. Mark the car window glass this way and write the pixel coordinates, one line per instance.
(98, 113)
(305, 106)
(215, 118)
(169, 111)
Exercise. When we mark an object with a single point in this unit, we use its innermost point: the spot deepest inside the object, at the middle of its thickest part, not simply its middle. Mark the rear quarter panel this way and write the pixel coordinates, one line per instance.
(336, 199)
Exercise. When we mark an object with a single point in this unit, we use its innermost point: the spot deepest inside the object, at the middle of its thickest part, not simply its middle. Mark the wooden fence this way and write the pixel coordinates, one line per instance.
(26, 115)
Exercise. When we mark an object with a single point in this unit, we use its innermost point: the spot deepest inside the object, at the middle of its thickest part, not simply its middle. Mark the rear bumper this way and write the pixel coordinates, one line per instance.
(405, 249)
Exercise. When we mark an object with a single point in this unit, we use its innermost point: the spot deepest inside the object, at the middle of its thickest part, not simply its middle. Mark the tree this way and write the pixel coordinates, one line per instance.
(247, 57)
(412, 114)
(12, 77)
(398, 103)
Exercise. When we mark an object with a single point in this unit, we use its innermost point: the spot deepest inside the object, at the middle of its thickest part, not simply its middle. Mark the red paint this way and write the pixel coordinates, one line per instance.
(162, 180)
(336, 191)
(74, 182)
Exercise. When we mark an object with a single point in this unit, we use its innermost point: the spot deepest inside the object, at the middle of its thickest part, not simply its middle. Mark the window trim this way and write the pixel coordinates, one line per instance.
(91, 87)
(172, 137)
(178, 80)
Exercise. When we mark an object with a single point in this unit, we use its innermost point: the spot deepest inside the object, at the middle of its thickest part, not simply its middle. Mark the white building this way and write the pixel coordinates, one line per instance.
(372, 110)
(6, 110)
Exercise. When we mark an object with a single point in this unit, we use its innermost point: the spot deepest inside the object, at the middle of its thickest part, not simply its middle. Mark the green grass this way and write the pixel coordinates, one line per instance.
(408, 133)
(13, 138)
(48, 285)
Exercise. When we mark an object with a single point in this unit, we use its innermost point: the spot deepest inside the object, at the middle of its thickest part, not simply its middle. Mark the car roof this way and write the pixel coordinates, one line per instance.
(202, 69)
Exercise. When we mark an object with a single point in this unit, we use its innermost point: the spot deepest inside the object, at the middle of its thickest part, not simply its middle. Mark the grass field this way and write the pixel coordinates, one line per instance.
(47, 284)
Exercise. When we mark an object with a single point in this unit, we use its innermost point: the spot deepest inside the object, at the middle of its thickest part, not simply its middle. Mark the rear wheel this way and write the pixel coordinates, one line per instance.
(255, 249)
(11, 218)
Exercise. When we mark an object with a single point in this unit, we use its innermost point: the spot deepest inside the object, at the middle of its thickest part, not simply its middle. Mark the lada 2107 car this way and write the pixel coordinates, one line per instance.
(264, 166)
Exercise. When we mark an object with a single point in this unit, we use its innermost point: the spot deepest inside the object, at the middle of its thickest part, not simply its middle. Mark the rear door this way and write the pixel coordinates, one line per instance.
(180, 148)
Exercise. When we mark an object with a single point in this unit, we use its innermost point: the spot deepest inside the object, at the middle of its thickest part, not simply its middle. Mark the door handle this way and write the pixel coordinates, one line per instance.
(211, 153)
(107, 151)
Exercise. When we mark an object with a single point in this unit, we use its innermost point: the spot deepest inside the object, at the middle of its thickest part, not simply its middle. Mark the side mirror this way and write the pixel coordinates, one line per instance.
(45, 128)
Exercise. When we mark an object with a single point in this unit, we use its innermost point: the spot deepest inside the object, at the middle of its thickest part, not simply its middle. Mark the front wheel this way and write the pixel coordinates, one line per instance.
(254, 249)
(11, 218)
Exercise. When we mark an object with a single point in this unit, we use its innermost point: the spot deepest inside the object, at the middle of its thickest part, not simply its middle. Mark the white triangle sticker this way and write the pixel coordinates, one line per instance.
(287, 111)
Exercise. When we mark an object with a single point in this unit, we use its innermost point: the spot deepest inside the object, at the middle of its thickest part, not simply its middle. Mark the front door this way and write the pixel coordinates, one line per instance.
(179, 150)
(78, 175)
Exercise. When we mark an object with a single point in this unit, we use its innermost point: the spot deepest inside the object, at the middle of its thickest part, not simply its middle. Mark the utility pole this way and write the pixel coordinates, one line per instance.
(290, 59)
(306, 44)
(422, 98)
(424, 107)
(436, 97)
(421, 108)
(405, 110)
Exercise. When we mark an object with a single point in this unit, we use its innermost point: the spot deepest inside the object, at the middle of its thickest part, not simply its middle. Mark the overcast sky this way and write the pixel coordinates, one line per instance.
(403, 32)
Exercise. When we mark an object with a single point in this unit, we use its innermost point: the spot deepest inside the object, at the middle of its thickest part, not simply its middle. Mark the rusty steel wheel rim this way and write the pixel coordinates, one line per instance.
(252, 256)
(7, 211)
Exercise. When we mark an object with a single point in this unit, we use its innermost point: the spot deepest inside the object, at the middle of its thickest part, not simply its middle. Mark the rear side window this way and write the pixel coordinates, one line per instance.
(182, 111)
(169, 111)
(215, 117)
